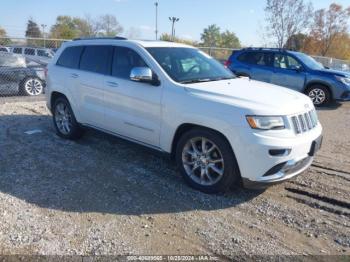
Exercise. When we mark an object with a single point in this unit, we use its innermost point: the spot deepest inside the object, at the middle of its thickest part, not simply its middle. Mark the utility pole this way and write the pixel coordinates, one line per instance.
(44, 26)
(173, 21)
(156, 4)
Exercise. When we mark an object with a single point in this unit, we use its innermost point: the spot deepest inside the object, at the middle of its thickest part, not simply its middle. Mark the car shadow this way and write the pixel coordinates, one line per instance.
(334, 105)
(99, 173)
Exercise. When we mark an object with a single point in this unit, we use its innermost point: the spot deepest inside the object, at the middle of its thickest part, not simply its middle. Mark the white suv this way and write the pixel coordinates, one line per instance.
(176, 99)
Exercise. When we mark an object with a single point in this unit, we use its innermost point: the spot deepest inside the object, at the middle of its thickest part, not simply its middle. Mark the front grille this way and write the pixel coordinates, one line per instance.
(304, 122)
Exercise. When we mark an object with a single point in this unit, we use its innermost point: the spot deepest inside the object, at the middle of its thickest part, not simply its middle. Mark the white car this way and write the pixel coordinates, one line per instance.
(39, 55)
(176, 99)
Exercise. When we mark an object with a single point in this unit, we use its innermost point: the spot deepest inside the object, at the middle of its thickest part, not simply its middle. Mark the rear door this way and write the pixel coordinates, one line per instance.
(95, 65)
(257, 65)
(288, 72)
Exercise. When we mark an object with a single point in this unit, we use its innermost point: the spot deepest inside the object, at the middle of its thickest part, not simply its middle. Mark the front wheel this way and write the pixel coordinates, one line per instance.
(206, 161)
(319, 95)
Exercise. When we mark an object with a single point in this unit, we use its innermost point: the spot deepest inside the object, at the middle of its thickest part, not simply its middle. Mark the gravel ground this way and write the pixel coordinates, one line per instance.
(105, 196)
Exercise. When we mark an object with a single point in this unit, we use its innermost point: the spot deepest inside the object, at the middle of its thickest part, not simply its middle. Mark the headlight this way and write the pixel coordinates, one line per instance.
(345, 80)
(266, 122)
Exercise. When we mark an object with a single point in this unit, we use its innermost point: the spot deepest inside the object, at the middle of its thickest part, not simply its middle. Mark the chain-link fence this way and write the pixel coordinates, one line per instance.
(333, 63)
(23, 62)
(222, 54)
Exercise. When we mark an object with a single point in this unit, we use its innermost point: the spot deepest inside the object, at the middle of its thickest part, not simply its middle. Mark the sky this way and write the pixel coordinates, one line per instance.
(245, 18)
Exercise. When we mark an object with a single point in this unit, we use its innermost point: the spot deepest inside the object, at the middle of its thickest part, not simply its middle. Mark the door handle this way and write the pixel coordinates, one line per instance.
(112, 84)
(74, 75)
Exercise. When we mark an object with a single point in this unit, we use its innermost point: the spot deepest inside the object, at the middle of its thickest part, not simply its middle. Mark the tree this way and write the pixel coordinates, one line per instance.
(211, 36)
(108, 25)
(229, 39)
(2, 32)
(82, 27)
(3, 39)
(296, 42)
(33, 29)
(169, 38)
(341, 47)
(64, 28)
(286, 18)
(328, 25)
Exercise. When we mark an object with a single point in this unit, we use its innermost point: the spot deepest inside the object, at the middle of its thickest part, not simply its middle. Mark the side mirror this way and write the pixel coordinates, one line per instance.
(144, 75)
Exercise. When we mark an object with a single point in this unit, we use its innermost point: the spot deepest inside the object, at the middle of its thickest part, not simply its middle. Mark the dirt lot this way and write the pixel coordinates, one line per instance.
(104, 196)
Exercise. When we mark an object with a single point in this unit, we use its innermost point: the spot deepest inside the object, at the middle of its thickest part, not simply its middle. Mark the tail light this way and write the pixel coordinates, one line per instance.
(227, 63)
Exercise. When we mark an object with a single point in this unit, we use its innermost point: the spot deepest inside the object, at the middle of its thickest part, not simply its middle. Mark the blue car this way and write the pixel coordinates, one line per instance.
(293, 70)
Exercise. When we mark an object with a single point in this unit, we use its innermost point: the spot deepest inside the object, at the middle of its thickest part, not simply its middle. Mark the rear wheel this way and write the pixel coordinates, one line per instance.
(64, 120)
(319, 95)
(206, 161)
(32, 86)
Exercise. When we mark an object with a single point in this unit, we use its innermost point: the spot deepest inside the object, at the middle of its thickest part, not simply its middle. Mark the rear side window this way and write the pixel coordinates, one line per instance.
(70, 57)
(17, 50)
(257, 58)
(29, 51)
(124, 60)
(97, 59)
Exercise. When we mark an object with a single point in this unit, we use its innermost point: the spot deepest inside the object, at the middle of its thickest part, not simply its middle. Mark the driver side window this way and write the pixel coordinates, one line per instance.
(286, 62)
(124, 60)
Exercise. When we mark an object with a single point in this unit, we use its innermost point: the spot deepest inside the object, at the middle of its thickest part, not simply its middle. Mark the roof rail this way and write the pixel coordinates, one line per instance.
(101, 38)
(266, 48)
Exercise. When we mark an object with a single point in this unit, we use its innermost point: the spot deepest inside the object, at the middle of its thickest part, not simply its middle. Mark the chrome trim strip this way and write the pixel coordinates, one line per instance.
(137, 126)
(125, 138)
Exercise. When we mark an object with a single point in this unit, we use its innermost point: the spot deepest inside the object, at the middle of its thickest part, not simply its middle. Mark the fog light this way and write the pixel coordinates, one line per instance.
(279, 152)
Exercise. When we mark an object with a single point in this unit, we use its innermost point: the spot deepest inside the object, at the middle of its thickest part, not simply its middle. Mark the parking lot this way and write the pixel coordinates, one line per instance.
(105, 196)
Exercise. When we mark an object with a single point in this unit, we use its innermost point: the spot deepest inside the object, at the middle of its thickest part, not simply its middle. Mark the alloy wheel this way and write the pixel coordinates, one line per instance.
(33, 87)
(63, 118)
(203, 161)
(317, 95)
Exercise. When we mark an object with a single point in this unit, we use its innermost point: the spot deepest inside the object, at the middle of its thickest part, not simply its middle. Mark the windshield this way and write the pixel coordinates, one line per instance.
(189, 65)
(309, 61)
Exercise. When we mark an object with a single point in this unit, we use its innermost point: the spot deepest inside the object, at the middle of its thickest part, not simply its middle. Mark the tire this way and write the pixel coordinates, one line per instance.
(32, 86)
(64, 120)
(319, 95)
(211, 181)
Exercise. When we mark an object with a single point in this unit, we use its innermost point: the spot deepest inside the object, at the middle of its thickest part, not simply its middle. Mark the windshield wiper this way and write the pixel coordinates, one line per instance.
(223, 78)
(192, 81)
(205, 80)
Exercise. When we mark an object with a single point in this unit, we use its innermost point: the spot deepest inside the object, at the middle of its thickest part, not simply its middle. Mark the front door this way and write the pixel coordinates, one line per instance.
(288, 72)
(133, 109)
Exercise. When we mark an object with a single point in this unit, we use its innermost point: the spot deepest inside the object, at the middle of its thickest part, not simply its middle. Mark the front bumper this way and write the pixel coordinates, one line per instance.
(289, 170)
(345, 96)
(265, 159)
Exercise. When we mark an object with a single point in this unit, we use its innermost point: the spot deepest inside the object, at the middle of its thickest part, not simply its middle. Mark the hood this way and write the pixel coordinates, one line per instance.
(254, 96)
(334, 72)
